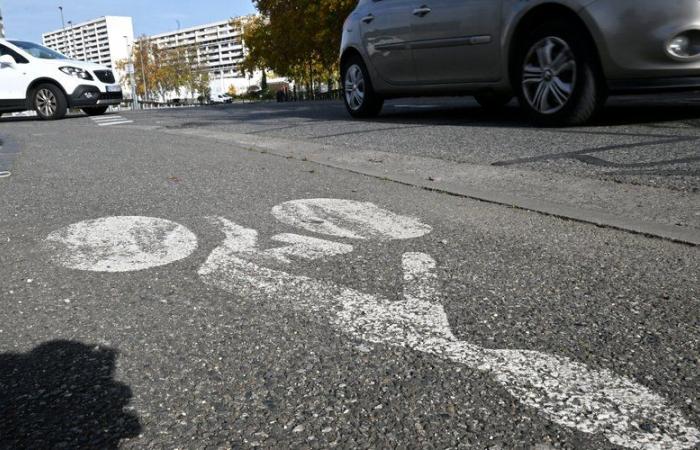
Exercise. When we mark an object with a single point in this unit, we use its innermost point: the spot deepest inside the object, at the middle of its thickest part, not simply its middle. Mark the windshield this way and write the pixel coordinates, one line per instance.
(38, 51)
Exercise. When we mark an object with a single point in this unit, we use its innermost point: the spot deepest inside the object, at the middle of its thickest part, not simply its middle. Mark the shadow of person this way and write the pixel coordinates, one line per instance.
(62, 395)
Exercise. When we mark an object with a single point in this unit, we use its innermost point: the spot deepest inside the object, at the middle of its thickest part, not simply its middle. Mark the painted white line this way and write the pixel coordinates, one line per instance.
(103, 122)
(114, 123)
(120, 244)
(567, 392)
(348, 219)
(416, 106)
(106, 118)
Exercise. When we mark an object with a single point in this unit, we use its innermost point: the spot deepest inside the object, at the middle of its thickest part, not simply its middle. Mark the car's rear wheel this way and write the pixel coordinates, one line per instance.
(49, 102)
(360, 98)
(558, 80)
(493, 101)
(97, 111)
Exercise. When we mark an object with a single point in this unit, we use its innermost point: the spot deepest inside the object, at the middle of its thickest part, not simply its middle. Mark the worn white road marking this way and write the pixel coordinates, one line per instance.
(416, 106)
(567, 392)
(120, 244)
(305, 247)
(348, 219)
(105, 117)
(109, 124)
(420, 282)
(106, 121)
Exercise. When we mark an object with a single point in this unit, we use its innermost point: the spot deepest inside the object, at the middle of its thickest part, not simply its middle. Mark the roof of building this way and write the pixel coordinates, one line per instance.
(195, 28)
(87, 22)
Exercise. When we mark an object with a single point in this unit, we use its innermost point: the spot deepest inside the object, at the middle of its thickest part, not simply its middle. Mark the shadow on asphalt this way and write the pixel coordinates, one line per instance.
(622, 111)
(62, 395)
(36, 119)
(653, 110)
(618, 112)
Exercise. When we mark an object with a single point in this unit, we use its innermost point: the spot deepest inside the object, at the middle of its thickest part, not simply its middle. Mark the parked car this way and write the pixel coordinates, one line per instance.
(221, 98)
(36, 78)
(561, 58)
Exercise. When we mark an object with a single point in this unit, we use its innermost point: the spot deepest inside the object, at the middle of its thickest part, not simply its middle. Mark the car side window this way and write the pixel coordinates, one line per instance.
(19, 59)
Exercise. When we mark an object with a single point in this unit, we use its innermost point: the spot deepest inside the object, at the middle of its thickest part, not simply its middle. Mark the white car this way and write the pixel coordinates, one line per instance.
(221, 98)
(36, 78)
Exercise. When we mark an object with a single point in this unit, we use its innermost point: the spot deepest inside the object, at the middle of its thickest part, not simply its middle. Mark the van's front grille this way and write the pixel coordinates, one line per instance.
(105, 76)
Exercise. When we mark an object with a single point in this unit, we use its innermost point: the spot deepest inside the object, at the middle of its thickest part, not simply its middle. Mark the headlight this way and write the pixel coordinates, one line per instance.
(77, 72)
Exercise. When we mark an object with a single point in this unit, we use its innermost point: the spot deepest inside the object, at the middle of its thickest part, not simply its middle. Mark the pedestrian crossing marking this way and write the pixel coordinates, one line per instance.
(107, 121)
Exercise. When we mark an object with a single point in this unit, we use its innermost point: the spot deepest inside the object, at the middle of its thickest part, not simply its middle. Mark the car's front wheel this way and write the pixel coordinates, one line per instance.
(557, 79)
(49, 102)
(360, 98)
(97, 111)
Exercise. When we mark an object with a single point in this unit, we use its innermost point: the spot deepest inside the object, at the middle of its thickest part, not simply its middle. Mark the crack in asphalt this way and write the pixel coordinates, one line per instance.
(585, 156)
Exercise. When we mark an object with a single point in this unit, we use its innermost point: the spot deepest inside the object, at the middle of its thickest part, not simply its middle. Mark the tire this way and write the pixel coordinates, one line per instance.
(557, 76)
(359, 96)
(493, 101)
(97, 111)
(49, 102)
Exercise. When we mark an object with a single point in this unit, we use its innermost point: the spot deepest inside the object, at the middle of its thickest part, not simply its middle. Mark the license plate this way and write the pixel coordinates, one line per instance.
(114, 88)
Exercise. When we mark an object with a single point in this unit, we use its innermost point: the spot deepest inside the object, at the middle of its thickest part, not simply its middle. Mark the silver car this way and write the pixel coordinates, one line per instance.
(561, 58)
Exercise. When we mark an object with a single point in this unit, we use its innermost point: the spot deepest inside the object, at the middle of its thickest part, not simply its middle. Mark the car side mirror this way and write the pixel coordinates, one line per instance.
(7, 60)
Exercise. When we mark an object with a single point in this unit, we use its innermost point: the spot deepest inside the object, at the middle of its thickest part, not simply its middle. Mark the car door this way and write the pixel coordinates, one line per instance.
(386, 33)
(14, 80)
(457, 40)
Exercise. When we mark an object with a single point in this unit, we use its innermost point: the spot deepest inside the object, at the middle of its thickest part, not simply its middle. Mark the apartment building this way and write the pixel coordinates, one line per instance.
(219, 47)
(103, 41)
(219, 50)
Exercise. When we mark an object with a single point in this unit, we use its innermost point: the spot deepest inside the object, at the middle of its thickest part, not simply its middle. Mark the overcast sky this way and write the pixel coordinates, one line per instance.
(28, 19)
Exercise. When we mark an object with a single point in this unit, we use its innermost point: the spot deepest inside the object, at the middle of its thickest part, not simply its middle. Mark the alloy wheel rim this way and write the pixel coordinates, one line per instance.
(354, 87)
(46, 102)
(549, 75)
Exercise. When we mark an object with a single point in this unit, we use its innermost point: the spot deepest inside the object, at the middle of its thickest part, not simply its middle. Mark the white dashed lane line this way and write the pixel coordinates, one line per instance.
(106, 121)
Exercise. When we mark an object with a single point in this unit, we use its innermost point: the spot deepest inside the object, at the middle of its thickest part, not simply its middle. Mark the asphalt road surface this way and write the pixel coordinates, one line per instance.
(638, 140)
(166, 286)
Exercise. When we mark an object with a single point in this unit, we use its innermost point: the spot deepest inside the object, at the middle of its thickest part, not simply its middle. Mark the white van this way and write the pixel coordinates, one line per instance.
(36, 78)
(221, 98)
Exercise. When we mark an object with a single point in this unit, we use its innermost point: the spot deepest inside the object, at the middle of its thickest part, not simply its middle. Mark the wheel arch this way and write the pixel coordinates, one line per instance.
(542, 13)
(39, 81)
(348, 53)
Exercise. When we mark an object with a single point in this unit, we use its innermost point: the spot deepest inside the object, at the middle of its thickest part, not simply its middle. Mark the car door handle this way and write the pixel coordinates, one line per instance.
(368, 19)
(422, 11)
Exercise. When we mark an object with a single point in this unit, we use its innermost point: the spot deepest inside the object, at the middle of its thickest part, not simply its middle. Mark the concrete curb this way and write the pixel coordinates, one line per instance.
(637, 209)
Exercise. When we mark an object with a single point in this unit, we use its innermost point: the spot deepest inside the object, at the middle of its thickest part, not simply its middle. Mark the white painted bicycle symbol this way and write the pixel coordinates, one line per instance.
(567, 392)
